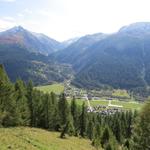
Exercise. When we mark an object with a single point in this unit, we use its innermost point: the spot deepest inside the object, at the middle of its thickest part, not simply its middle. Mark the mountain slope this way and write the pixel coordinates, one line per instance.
(19, 62)
(71, 53)
(33, 42)
(120, 60)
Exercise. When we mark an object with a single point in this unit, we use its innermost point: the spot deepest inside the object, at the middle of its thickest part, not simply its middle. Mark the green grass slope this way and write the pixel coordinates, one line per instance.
(37, 139)
(56, 88)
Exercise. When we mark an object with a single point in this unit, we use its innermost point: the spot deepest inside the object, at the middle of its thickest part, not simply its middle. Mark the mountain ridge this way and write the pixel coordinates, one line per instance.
(33, 42)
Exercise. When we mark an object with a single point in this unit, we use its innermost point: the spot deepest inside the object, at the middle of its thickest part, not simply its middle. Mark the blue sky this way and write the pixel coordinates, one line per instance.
(64, 19)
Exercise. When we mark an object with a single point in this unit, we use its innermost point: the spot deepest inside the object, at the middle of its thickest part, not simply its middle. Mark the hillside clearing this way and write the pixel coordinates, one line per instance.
(22, 138)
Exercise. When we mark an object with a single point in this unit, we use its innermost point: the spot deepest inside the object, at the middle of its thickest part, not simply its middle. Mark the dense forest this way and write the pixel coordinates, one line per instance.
(22, 105)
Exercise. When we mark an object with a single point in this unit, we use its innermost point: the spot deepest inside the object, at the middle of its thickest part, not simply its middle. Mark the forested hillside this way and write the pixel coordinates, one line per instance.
(20, 63)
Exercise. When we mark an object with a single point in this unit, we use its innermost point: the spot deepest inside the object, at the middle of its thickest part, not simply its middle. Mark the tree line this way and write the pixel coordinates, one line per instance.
(23, 105)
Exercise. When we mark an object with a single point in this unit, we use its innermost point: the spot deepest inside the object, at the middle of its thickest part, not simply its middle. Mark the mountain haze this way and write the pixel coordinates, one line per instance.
(120, 60)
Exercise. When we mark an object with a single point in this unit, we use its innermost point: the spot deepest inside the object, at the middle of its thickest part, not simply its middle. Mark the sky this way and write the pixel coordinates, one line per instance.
(65, 19)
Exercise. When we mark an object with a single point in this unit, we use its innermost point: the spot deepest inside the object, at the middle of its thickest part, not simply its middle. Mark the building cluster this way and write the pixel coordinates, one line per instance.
(104, 110)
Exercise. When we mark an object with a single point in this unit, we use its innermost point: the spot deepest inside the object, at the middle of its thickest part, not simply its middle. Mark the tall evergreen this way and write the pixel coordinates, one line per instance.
(141, 133)
(105, 136)
(8, 115)
(21, 103)
(30, 102)
(83, 120)
(47, 108)
(97, 136)
(63, 108)
(74, 113)
(90, 130)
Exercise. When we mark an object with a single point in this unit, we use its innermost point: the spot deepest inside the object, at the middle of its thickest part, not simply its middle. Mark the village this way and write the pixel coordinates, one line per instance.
(89, 95)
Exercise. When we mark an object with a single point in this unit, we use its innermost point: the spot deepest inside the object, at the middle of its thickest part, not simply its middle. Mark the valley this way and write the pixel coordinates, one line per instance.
(87, 93)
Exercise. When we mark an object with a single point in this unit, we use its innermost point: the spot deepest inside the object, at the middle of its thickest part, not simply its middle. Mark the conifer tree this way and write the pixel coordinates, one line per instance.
(90, 130)
(141, 132)
(117, 130)
(8, 115)
(30, 102)
(63, 109)
(105, 137)
(97, 136)
(21, 103)
(47, 108)
(83, 121)
(74, 113)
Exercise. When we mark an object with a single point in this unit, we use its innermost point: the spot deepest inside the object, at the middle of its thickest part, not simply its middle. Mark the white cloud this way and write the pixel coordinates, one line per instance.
(7, 0)
(62, 19)
(20, 15)
(44, 13)
(27, 11)
(8, 18)
(6, 24)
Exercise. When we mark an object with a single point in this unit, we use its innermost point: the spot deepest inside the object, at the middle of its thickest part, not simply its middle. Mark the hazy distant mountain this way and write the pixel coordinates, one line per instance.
(136, 29)
(121, 60)
(78, 48)
(69, 42)
(33, 42)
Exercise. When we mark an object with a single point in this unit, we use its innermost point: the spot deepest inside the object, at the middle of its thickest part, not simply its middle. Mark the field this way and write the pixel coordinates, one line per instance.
(56, 88)
(37, 139)
(126, 105)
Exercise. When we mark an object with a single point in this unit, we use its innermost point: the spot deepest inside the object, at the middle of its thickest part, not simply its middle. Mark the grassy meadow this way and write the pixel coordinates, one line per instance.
(131, 105)
(22, 138)
(56, 88)
(127, 105)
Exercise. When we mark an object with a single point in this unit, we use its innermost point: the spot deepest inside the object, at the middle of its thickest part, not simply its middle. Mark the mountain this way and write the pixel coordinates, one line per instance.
(138, 29)
(33, 42)
(67, 43)
(77, 48)
(24, 55)
(120, 60)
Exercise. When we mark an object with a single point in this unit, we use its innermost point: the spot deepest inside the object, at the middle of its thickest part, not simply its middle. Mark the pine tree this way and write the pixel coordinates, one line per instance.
(97, 136)
(108, 139)
(47, 102)
(71, 128)
(30, 102)
(21, 103)
(74, 113)
(8, 115)
(63, 109)
(105, 137)
(54, 99)
(83, 121)
(117, 130)
(141, 132)
(90, 130)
